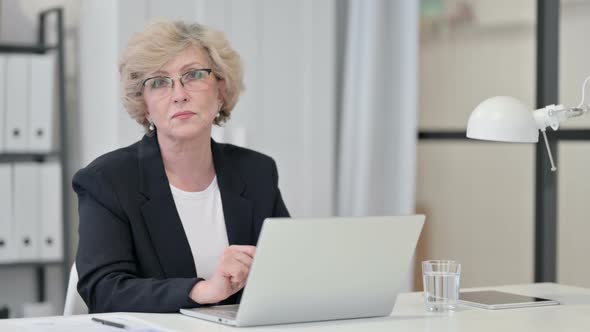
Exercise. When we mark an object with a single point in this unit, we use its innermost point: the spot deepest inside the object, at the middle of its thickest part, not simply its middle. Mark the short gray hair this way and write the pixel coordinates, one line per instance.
(159, 43)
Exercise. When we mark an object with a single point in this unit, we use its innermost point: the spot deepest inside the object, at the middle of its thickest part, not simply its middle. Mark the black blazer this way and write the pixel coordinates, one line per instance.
(133, 254)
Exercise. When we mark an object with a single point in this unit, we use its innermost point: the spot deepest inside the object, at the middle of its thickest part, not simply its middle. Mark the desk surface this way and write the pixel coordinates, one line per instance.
(409, 315)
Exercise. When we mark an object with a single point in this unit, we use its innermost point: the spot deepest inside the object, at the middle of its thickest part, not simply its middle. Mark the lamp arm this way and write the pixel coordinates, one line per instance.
(552, 116)
(583, 92)
(553, 167)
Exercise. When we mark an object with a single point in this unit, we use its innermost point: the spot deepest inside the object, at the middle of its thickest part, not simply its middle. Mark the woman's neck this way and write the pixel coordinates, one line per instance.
(188, 163)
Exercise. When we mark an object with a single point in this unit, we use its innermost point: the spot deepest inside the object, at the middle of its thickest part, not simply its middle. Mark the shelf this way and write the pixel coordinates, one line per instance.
(25, 48)
(23, 157)
(41, 46)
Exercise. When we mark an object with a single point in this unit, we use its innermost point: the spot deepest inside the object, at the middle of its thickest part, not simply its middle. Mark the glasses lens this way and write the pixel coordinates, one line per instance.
(157, 86)
(195, 80)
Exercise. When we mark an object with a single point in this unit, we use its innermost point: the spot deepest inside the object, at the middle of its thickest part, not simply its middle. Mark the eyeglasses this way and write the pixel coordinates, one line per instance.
(161, 86)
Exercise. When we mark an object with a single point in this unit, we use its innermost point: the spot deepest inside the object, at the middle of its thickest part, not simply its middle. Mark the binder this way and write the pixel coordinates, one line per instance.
(51, 211)
(2, 100)
(42, 103)
(26, 211)
(17, 103)
(7, 244)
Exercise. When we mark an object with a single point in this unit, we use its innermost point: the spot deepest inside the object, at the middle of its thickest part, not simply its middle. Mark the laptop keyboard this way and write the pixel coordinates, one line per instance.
(227, 313)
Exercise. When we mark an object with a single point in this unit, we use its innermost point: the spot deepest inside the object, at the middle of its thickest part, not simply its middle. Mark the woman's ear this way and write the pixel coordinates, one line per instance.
(222, 91)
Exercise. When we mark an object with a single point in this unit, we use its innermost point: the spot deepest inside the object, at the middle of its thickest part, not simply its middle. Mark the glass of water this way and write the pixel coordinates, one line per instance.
(441, 284)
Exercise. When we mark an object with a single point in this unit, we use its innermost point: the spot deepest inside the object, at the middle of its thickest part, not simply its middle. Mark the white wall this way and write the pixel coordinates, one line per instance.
(479, 199)
(287, 110)
(574, 158)
(574, 66)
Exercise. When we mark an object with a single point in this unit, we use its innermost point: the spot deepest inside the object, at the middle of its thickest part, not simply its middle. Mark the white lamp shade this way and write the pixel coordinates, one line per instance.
(504, 119)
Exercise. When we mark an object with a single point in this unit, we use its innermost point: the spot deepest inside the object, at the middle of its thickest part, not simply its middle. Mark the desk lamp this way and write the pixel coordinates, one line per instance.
(507, 119)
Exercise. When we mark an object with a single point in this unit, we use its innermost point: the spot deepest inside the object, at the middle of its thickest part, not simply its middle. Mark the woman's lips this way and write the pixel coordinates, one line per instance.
(183, 115)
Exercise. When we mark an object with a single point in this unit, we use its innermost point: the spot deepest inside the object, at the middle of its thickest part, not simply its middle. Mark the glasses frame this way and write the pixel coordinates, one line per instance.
(179, 77)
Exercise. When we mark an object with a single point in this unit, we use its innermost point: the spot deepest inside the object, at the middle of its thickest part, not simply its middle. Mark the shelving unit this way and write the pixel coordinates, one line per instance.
(61, 153)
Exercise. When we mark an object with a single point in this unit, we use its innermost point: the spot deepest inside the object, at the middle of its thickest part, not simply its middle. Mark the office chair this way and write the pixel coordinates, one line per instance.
(74, 304)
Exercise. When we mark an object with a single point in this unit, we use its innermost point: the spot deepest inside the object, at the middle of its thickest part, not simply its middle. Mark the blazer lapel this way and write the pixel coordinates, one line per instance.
(237, 209)
(160, 214)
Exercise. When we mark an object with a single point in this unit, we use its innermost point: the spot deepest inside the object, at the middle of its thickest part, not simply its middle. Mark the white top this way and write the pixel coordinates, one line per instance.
(201, 214)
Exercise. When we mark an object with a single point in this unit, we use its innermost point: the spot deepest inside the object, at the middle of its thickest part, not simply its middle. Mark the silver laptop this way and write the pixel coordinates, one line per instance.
(323, 269)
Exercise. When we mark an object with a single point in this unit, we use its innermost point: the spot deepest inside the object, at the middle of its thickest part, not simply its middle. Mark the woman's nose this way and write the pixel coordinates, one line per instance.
(179, 94)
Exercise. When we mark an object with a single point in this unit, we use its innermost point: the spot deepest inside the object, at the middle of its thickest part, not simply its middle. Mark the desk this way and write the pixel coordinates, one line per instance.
(409, 315)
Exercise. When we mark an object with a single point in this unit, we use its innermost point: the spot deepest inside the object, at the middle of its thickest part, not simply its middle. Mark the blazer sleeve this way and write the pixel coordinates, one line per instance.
(109, 278)
(279, 208)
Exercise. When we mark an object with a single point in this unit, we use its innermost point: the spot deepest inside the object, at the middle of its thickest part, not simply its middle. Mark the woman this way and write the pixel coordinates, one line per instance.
(171, 221)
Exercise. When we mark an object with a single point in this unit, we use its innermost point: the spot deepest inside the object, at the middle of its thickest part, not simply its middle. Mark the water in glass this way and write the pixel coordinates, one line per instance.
(441, 290)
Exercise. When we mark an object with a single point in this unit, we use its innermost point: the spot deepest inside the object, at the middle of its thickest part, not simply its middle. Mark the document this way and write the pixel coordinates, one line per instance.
(2, 100)
(26, 211)
(16, 130)
(7, 243)
(50, 207)
(42, 103)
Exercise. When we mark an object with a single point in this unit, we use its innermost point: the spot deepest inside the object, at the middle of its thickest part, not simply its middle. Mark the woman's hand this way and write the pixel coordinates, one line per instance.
(229, 277)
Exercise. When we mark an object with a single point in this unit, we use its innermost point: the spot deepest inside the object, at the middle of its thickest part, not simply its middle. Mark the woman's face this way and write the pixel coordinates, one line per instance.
(183, 112)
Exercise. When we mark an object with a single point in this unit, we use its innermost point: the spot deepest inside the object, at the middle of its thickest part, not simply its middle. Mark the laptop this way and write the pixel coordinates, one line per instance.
(317, 269)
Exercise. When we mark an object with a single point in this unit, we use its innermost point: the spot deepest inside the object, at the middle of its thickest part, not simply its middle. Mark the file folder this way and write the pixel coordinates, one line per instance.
(7, 244)
(17, 103)
(42, 103)
(26, 211)
(2, 100)
(51, 211)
